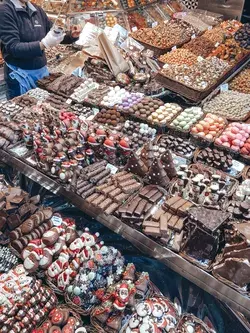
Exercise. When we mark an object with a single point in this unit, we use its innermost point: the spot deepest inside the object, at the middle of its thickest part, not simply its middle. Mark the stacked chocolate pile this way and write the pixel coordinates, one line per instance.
(109, 196)
(216, 158)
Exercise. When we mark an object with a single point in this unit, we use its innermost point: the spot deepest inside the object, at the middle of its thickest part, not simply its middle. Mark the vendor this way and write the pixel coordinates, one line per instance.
(25, 32)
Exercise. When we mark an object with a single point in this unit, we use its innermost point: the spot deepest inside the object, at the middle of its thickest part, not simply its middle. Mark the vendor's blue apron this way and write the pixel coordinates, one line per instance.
(27, 78)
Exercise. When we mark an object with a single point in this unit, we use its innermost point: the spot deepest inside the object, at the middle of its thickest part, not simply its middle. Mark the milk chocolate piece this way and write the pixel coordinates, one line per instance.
(177, 205)
(140, 208)
(98, 200)
(234, 270)
(179, 225)
(182, 211)
(92, 197)
(156, 197)
(13, 221)
(111, 208)
(103, 205)
(164, 225)
(131, 188)
(151, 193)
(114, 193)
(157, 214)
(127, 182)
(151, 231)
(150, 224)
(121, 197)
(173, 220)
(124, 177)
(170, 202)
(133, 205)
(108, 189)
(144, 191)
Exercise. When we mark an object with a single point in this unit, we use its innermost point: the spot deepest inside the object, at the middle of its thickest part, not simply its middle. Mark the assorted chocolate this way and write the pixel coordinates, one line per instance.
(7, 259)
(113, 191)
(215, 158)
(25, 301)
(110, 117)
(239, 207)
(179, 146)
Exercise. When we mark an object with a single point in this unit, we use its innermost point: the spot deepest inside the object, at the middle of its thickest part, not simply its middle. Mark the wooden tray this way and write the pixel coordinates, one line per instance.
(196, 95)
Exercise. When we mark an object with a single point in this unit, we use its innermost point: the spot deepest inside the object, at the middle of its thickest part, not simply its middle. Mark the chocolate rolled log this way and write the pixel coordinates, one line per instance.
(103, 174)
(127, 183)
(168, 164)
(120, 178)
(92, 197)
(136, 166)
(119, 174)
(81, 184)
(84, 189)
(88, 193)
(103, 180)
(98, 200)
(131, 188)
(111, 208)
(121, 197)
(104, 205)
(96, 171)
(108, 189)
(94, 166)
(114, 193)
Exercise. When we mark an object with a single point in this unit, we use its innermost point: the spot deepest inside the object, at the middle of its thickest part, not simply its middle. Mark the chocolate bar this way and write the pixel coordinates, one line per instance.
(151, 193)
(174, 208)
(92, 197)
(140, 208)
(156, 197)
(108, 189)
(133, 205)
(164, 225)
(157, 214)
(173, 220)
(179, 225)
(111, 208)
(151, 231)
(131, 188)
(127, 182)
(144, 191)
(182, 211)
(121, 197)
(105, 203)
(150, 224)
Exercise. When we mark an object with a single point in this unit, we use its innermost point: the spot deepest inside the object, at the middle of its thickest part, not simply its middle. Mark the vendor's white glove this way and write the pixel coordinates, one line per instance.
(51, 39)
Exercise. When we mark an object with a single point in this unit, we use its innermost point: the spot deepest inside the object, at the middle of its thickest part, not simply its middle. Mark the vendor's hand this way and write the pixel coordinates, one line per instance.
(75, 31)
(51, 39)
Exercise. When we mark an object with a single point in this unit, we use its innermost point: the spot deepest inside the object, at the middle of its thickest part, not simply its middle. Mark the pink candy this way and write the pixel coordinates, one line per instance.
(234, 136)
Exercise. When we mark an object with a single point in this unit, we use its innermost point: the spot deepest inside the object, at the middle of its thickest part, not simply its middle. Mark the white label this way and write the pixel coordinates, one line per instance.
(217, 44)
(224, 87)
(174, 48)
(69, 101)
(200, 59)
(112, 168)
(193, 36)
(57, 221)
(238, 166)
(154, 24)
(95, 110)
(134, 29)
(210, 28)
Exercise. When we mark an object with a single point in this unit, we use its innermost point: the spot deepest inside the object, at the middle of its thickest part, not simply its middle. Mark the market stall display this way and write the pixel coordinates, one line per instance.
(169, 175)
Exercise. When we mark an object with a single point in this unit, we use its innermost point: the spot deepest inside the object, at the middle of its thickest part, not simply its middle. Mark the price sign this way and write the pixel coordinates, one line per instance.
(112, 168)
(224, 87)
(56, 220)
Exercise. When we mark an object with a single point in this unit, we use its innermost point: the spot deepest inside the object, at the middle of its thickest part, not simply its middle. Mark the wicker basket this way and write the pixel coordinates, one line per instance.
(76, 307)
(125, 326)
(204, 142)
(196, 154)
(53, 287)
(72, 314)
(153, 291)
(192, 318)
(246, 173)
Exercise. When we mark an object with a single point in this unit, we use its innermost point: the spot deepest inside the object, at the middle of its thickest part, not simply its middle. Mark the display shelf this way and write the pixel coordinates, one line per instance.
(207, 282)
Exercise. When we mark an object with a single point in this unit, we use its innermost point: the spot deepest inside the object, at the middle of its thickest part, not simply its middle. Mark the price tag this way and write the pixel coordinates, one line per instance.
(112, 168)
(69, 101)
(134, 29)
(154, 24)
(174, 48)
(238, 166)
(224, 87)
(95, 110)
(200, 59)
(193, 36)
(210, 28)
(57, 220)
(217, 44)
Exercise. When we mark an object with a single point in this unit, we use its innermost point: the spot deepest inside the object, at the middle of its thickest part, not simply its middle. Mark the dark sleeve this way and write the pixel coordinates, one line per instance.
(9, 35)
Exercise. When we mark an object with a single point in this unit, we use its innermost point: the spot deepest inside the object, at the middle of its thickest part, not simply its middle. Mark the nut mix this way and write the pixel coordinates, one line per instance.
(199, 76)
(200, 46)
(229, 104)
(241, 82)
(179, 57)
